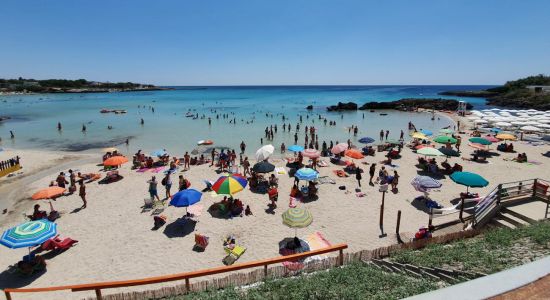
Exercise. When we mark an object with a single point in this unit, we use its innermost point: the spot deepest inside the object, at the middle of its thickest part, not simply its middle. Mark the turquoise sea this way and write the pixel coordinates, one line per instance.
(34, 118)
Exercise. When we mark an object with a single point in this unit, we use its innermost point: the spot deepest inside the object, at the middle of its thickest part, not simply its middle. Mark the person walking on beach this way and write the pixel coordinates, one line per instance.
(372, 170)
(246, 166)
(458, 141)
(243, 146)
(283, 148)
(358, 175)
(213, 156)
(394, 181)
(387, 133)
(401, 135)
(381, 135)
(153, 188)
(72, 179)
(167, 182)
(186, 161)
(82, 192)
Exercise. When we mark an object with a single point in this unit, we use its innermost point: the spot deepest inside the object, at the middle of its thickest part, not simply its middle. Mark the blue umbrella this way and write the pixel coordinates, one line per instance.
(426, 132)
(186, 198)
(159, 152)
(296, 148)
(306, 174)
(366, 140)
(496, 130)
(29, 234)
(469, 179)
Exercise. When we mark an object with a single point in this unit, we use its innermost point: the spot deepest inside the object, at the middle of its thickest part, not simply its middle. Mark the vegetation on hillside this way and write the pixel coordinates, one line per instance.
(60, 85)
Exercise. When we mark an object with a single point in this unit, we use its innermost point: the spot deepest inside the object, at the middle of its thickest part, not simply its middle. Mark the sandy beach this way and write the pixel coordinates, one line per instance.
(116, 241)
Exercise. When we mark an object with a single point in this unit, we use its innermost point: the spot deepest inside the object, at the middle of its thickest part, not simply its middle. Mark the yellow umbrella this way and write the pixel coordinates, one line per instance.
(506, 136)
(419, 135)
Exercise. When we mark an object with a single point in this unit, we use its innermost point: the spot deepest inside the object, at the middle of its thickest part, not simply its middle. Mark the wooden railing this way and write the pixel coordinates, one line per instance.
(98, 287)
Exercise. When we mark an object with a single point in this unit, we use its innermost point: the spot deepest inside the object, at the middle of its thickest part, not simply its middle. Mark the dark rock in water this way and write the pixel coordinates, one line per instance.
(343, 106)
(4, 118)
(309, 107)
(408, 104)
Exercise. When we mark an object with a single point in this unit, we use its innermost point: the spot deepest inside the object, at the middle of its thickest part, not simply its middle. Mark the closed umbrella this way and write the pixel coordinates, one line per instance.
(366, 140)
(296, 148)
(354, 153)
(469, 179)
(429, 151)
(265, 152)
(311, 153)
(115, 161)
(480, 140)
(339, 148)
(306, 174)
(29, 234)
(297, 217)
(442, 139)
(48, 193)
(229, 184)
(263, 167)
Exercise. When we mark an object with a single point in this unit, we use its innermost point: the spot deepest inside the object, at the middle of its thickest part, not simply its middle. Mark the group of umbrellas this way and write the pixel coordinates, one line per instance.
(529, 120)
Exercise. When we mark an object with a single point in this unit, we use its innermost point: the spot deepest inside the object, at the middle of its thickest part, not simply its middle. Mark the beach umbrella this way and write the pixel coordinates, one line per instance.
(480, 140)
(339, 148)
(426, 132)
(264, 152)
(477, 146)
(110, 149)
(29, 234)
(469, 179)
(422, 146)
(473, 118)
(530, 128)
(186, 198)
(491, 139)
(481, 121)
(263, 167)
(429, 151)
(296, 148)
(393, 142)
(297, 217)
(366, 140)
(306, 174)
(449, 152)
(354, 153)
(446, 131)
(229, 184)
(503, 124)
(506, 136)
(159, 152)
(496, 130)
(443, 139)
(284, 250)
(425, 183)
(115, 161)
(419, 135)
(48, 193)
(311, 153)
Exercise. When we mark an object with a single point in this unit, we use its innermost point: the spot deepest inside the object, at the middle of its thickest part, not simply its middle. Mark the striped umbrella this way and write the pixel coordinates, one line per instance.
(306, 174)
(297, 217)
(229, 184)
(311, 153)
(28, 234)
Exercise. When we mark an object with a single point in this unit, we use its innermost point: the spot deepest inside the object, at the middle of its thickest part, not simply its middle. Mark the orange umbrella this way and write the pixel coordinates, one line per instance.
(48, 193)
(115, 161)
(353, 153)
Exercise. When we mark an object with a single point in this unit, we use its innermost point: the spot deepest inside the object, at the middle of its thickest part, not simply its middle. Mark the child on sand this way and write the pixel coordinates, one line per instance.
(153, 188)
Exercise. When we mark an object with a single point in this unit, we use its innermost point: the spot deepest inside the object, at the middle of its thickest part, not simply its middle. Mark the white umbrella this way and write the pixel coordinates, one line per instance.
(530, 128)
(265, 152)
(481, 121)
(503, 124)
(545, 121)
(546, 126)
(518, 123)
(473, 117)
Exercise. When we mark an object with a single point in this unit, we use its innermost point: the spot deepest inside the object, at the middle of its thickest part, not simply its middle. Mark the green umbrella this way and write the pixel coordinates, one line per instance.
(429, 151)
(446, 131)
(480, 140)
(442, 139)
(469, 179)
(297, 217)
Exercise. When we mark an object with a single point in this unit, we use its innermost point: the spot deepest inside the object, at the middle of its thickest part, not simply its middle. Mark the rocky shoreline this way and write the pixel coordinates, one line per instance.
(406, 104)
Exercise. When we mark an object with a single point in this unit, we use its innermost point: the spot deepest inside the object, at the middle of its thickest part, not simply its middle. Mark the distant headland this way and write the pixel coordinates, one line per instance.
(530, 92)
(23, 86)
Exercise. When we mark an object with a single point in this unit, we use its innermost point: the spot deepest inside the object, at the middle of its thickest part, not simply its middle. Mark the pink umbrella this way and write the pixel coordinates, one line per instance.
(491, 139)
(311, 153)
(477, 146)
(339, 148)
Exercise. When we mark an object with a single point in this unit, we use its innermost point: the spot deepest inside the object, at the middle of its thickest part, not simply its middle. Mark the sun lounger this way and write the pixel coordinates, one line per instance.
(57, 243)
(233, 254)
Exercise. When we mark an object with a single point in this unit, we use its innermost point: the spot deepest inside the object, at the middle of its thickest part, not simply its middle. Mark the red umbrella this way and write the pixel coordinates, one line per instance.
(491, 139)
(311, 153)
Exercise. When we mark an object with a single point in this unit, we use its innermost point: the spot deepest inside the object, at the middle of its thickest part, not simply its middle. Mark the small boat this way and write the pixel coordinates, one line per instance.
(205, 142)
(383, 114)
(104, 111)
(372, 110)
(189, 115)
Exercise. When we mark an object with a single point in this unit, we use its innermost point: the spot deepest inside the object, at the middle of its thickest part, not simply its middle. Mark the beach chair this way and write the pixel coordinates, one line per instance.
(233, 254)
(201, 242)
(57, 243)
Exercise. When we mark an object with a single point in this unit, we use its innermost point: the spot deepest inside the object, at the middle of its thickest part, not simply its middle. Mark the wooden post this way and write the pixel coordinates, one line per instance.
(341, 257)
(8, 295)
(499, 191)
(187, 285)
(398, 222)
(431, 215)
(535, 188)
(461, 209)
(98, 294)
(520, 186)
(265, 271)
(382, 210)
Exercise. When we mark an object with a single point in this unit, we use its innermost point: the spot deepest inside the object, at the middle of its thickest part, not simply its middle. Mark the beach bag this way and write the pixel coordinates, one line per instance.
(163, 182)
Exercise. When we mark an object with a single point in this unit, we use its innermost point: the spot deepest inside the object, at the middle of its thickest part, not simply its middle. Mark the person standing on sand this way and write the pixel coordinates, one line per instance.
(246, 166)
(72, 179)
(395, 181)
(372, 170)
(167, 182)
(358, 175)
(401, 135)
(458, 141)
(243, 146)
(283, 148)
(186, 161)
(153, 188)
(213, 156)
(387, 133)
(82, 192)
(381, 135)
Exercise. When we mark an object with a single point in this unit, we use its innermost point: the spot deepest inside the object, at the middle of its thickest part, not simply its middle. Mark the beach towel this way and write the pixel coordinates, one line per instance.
(340, 173)
(142, 170)
(156, 170)
(317, 241)
(325, 180)
(280, 171)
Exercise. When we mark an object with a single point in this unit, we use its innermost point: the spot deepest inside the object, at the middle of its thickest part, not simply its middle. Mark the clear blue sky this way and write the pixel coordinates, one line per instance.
(233, 42)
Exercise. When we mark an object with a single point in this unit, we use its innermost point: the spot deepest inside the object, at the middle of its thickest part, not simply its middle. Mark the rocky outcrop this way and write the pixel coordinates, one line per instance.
(479, 94)
(309, 107)
(414, 103)
(343, 106)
